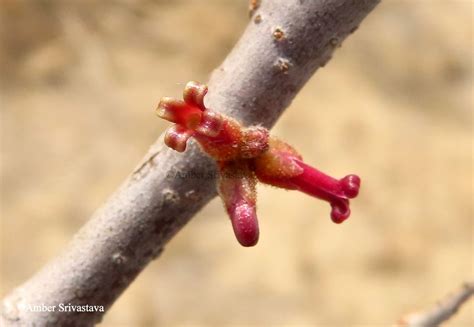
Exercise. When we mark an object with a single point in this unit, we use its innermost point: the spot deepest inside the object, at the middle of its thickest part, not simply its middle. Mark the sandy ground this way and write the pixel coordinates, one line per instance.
(79, 83)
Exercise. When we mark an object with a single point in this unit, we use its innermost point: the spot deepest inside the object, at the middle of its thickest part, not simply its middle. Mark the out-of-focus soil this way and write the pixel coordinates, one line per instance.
(79, 83)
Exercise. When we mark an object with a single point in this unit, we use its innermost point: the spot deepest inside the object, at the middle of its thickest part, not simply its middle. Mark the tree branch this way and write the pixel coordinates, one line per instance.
(442, 311)
(283, 45)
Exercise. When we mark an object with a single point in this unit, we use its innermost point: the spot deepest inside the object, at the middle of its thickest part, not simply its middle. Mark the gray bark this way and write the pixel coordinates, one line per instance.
(442, 312)
(285, 42)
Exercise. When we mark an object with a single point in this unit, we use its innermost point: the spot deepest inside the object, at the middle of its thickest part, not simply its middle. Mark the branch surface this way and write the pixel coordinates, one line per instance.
(443, 310)
(285, 42)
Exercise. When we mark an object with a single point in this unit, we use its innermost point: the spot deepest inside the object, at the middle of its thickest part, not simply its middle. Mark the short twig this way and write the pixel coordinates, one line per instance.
(443, 310)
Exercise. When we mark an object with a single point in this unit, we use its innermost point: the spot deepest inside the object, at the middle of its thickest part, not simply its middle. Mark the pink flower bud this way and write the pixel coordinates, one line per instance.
(282, 166)
(237, 188)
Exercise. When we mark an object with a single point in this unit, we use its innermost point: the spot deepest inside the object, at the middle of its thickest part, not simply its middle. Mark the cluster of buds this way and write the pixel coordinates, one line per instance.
(245, 155)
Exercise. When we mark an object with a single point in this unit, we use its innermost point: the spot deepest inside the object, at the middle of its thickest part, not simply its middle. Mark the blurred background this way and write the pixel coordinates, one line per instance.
(79, 84)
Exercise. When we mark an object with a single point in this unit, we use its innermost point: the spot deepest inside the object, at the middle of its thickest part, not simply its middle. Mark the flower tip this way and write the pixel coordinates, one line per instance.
(163, 109)
(350, 186)
(340, 211)
(245, 224)
(194, 94)
(176, 137)
(179, 112)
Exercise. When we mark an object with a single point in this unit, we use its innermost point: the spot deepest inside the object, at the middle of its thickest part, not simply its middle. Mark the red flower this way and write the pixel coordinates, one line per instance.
(245, 155)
